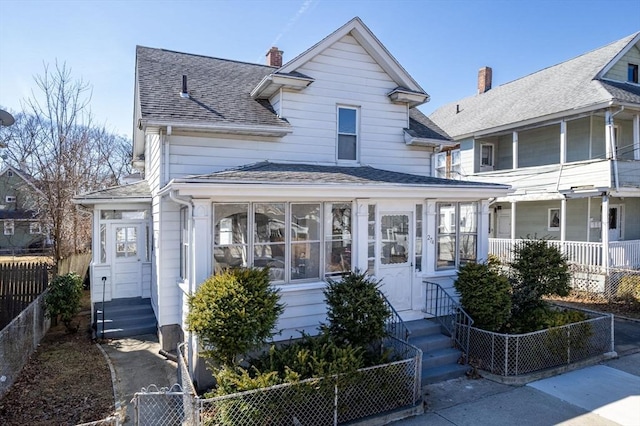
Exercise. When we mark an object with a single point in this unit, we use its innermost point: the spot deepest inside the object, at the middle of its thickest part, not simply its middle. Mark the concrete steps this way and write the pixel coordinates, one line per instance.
(124, 318)
(439, 357)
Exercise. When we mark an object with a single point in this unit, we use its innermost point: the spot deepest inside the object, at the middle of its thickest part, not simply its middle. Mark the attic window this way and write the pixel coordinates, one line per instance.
(632, 73)
(10, 173)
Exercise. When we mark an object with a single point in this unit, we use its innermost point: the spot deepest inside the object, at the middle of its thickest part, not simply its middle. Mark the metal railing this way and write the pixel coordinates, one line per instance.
(449, 313)
(330, 400)
(394, 325)
(519, 354)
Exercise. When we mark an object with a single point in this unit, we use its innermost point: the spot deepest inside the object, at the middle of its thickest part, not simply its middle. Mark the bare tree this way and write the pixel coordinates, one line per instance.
(56, 141)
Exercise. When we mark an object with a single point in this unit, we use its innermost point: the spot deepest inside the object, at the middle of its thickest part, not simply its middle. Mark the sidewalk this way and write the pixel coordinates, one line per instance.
(606, 394)
(137, 363)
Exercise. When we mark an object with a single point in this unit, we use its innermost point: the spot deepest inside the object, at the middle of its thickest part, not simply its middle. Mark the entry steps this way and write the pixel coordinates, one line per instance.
(439, 356)
(124, 318)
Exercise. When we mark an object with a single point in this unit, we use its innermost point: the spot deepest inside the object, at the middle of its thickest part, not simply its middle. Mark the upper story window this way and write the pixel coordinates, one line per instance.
(486, 157)
(10, 199)
(9, 173)
(447, 164)
(35, 228)
(632, 73)
(9, 227)
(347, 134)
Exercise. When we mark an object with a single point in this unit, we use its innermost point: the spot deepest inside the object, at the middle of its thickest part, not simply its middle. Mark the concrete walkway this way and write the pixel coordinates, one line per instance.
(137, 363)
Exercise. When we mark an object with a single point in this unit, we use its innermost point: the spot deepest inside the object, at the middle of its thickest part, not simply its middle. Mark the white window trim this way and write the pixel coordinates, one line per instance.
(10, 199)
(35, 228)
(9, 227)
(488, 167)
(357, 133)
(549, 218)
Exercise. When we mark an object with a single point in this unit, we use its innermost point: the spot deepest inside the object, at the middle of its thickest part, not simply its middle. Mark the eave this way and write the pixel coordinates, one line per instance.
(436, 144)
(409, 97)
(154, 126)
(274, 82)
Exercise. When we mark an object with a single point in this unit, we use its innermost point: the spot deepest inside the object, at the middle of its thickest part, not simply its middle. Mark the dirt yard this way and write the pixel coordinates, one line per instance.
(65, 382)
(620, 308)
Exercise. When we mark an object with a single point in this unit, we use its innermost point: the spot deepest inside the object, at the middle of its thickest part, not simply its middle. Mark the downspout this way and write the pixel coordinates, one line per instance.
(613, 146)
(166, 155)
(173, 195)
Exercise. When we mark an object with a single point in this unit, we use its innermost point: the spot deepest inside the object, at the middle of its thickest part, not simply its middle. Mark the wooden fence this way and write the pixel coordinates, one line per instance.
(20, 284)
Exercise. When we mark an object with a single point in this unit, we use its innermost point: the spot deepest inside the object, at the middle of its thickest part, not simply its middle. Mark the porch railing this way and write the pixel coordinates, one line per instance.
(621, 253)
(449, 313)
(394, 324)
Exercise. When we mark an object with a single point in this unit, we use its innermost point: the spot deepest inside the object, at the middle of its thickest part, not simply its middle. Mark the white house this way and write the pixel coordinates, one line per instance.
(315, 168)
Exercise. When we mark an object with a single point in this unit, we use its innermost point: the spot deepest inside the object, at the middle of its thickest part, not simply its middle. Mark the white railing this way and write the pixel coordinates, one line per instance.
(621, 253)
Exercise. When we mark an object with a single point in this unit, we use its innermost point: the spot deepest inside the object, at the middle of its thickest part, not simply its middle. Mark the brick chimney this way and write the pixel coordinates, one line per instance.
(274, 57)
(484, 79)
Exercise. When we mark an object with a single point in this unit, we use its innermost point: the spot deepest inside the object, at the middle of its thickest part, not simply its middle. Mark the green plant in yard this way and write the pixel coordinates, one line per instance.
(62, 299)
(538, 270)
(234, 313)
(356, 310)
(484, 294)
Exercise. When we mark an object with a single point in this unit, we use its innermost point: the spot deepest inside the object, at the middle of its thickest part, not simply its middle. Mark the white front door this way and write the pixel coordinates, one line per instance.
(127, 256)
(615, 223)
(503, 225)
(395, 258)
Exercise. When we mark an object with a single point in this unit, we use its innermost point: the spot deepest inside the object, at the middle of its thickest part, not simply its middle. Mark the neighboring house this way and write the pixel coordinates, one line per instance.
(314, 168)
(20, 228)
(567, 140)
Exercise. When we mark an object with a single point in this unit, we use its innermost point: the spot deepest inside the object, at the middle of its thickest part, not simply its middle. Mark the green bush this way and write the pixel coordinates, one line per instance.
(233, 313)
(484, 294)
(538, 270)
(63, 298)
(628, 288)
(356, 311)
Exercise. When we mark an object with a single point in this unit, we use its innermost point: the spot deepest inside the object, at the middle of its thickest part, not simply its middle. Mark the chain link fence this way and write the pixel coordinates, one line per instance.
(596, 284)
(327, 401)
(519, 354)
(109, 421)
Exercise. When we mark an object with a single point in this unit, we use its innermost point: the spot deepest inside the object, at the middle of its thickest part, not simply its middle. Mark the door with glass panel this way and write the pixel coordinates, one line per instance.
(395, 258)
(127, 259)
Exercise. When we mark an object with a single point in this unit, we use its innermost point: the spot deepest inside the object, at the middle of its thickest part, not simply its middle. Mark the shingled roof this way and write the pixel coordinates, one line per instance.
(567, 86)
(289, 173)
(138, 191)
(219, 92)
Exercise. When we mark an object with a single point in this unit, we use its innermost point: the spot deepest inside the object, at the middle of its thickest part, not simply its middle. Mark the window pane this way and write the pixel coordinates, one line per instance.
(346, 120)
(305, 222)
(269, 222)
(468, 217)
(103, 243)
(338, 221)
(394, 237)
(347, 147)
(271, 255)
(418, 248)
(446, 255)
(230, 256)
(467, 249)
(487, 155)
(305, 260)
(338, 257)
(230, 224)
(455, 156)
(446, 218)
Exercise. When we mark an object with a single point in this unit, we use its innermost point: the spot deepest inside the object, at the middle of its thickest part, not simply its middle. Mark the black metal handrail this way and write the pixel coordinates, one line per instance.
(394, 324)
(449, 313)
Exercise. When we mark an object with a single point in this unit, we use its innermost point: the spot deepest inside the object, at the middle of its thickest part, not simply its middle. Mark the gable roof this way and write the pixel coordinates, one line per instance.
(356, 28)
(22, 175)
(570, 86)
(218, 90)
(133, 192)
(304, 174)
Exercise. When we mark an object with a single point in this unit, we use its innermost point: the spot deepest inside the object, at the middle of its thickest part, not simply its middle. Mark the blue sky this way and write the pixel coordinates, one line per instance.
(441, 43)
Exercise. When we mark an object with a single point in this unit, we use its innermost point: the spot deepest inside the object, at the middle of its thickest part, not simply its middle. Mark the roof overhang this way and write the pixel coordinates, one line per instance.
(155, 126)
(110, 200)
(274, 82)
(247, 190)
(437, 144)
(407, 96)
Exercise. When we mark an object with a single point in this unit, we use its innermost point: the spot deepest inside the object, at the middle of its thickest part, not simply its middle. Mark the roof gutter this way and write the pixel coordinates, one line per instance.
(273, 131)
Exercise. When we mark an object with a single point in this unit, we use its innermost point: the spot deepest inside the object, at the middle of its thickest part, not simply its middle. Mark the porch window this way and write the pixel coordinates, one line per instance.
(103, 243)
(456, 235)
(9, 227)
(287, 237)
(553, 220)
(418, 249)
(347, 134)
(123, 214)
(486, 157)
(126, 241)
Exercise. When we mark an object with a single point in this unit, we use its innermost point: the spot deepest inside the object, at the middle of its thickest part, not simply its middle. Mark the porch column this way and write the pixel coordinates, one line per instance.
(563, 142)
(483, 231)
(513, 220)
(360, 240)
(201, 242)
(608, 136)
(604, 229)
(514, 148)
(563, 219)
(430, 230)
(636, 137)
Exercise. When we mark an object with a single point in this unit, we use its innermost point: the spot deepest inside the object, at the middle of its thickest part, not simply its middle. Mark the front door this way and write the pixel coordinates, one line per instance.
(127, 265)
(615, 222)
(395, 258)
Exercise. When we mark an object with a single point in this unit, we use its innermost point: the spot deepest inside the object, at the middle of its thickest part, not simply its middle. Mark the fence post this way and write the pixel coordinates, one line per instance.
(506, 356)
(612, 348)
